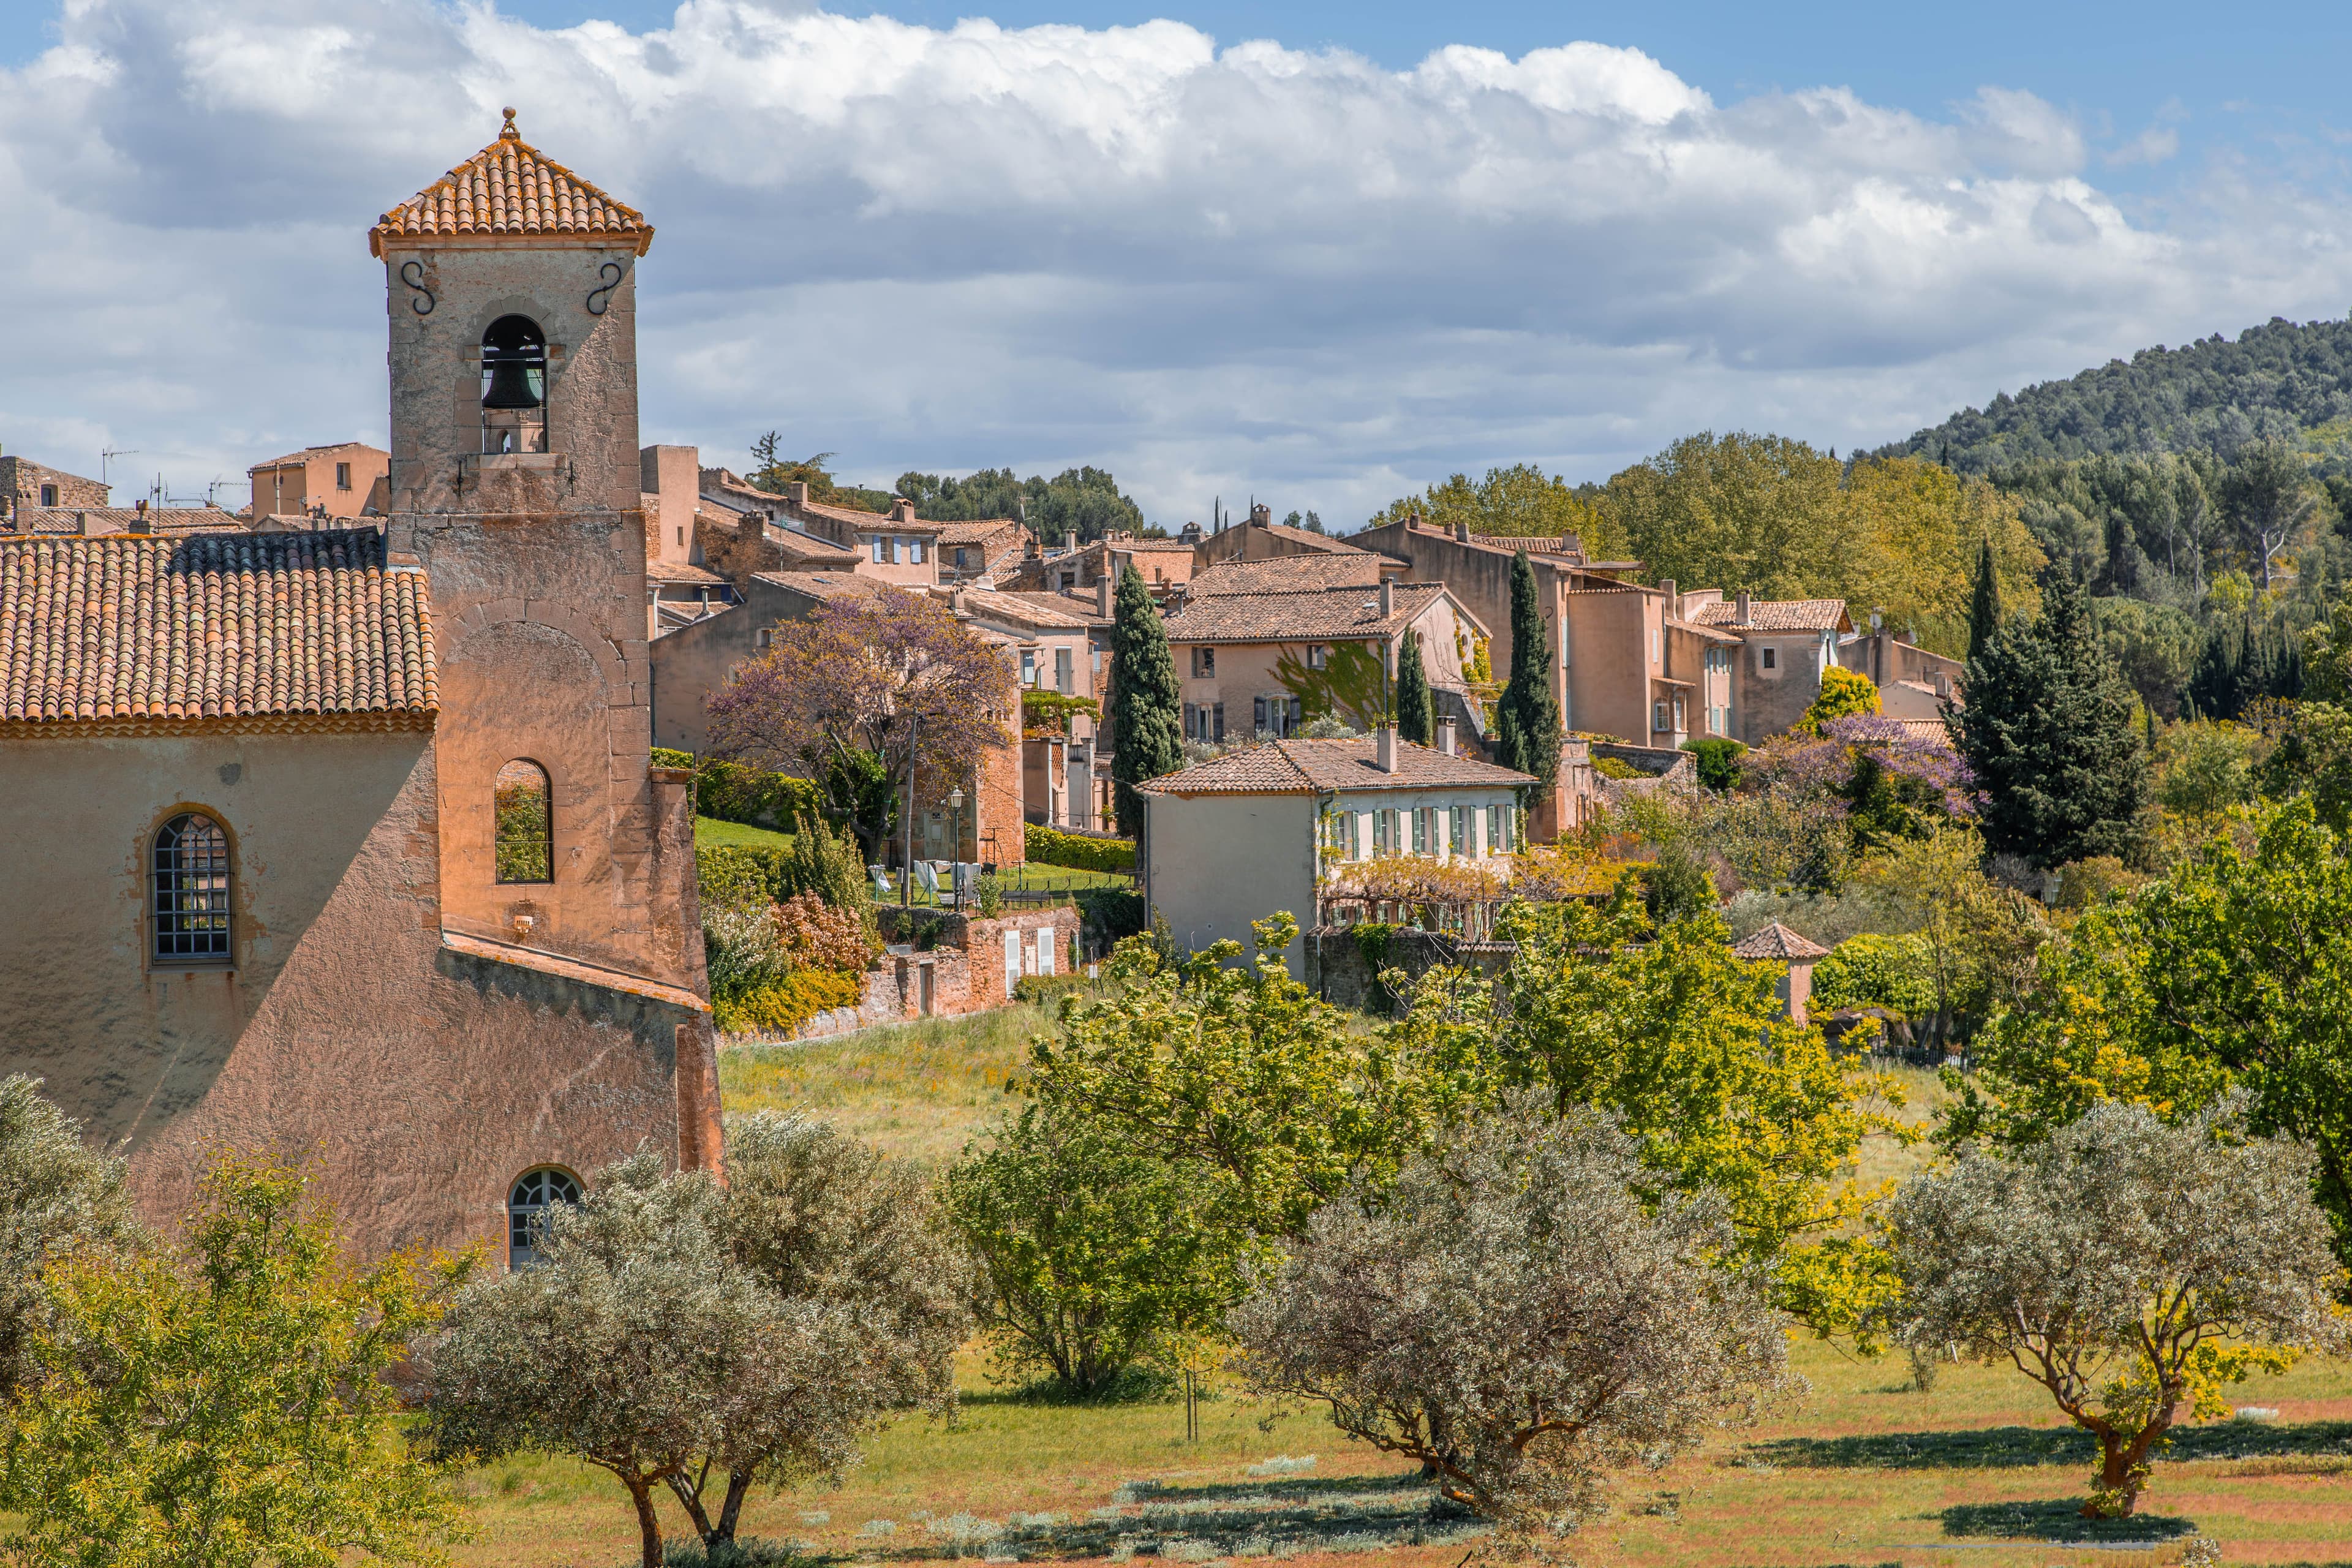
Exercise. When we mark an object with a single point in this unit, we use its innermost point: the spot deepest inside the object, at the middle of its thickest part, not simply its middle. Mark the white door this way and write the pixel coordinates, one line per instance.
(1045, 945)
(1012, 961)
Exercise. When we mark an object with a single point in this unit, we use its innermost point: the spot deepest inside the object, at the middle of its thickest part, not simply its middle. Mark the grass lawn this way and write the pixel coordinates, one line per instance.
(709, 833)
(1861, 1469)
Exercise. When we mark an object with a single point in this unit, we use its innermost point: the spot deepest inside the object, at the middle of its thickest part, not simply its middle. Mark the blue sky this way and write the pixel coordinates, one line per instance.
(1379, 245)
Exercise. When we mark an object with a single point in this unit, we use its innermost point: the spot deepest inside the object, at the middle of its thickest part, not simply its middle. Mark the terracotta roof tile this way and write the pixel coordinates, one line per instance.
(1336, 613)
(1288, 574)
(1777, 615)
(824, 584)
(1310, 539)
(1028, 609)
(509, 187)
(1301, 767)
(1779, 942)
(975, 530)
(69, 520)
(212, 626)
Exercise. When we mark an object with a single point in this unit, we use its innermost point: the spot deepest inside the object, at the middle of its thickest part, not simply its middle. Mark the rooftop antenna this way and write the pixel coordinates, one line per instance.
(108, 454)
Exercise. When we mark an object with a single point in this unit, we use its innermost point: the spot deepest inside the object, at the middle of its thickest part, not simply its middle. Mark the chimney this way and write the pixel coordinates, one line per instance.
(1747, 608)
(1674, 600)
(796, 493)
(1262, 515)
(1385, 745)
(1462, 531)
(959, 602)
(1102, 596)
(81, 522)
(1445, 734)
(139, 522)
(902, 510)
(1388, 598)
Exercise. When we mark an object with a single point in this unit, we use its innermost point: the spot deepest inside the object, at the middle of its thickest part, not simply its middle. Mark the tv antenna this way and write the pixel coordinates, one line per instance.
(108, 454)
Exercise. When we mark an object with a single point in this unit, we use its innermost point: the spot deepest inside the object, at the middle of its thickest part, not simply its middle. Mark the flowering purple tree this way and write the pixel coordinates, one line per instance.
(863, 694)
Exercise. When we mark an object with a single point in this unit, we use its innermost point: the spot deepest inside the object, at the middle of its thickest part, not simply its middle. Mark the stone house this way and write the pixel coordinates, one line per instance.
(988, 547)
(1163, 565)
(1784, 646)
(36, 487)
(330, 481)
(896, 545)
(679, 588)
(1270, 827)
(1230, 649)
(1056, 652)
(1913, 683)
(350, 844)
(1262, 539)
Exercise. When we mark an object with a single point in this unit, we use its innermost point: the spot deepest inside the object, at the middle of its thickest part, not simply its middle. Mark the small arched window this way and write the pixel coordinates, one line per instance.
(527, 1206)
(190, 890)
(514, 386)
(525, 829)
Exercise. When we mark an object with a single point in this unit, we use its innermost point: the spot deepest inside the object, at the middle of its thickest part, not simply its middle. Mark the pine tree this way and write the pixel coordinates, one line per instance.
(1146, 714)
(1984, 604)
(1416, 707)
(2048, 733)
(1527, 719)
(2217, 680)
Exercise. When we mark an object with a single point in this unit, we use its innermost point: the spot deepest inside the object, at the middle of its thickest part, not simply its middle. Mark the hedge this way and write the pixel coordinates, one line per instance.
(738, 792)
(781, 1007)
(1896, 972)
(1052, 847)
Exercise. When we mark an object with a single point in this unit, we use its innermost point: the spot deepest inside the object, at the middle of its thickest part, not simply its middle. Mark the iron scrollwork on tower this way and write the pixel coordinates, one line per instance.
(600, 299)
(422, 306)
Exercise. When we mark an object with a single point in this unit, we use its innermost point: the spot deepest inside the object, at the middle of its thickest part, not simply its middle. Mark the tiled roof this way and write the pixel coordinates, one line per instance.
(1288, 574)
(1148, 544)
(660, 571)
(1777, 615)
(306, 453)
(509, 187)
(1777, 941)
(1335, 613)
(826, 584)
(1308, 537)
(1077, 605)
(214, 626)
(975, 530)
(1302, 767)
(68, 519)
(1028, 609)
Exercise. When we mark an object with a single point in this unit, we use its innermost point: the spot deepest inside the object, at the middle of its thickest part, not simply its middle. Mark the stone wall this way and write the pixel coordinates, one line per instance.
(21, 479)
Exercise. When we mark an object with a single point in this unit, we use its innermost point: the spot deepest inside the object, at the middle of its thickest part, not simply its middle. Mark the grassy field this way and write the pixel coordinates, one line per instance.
(1862, 1469)
(709, 833)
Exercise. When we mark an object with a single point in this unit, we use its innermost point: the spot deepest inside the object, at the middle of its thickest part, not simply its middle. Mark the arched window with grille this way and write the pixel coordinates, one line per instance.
(527, 1205)
(526, 824)
(191, 892)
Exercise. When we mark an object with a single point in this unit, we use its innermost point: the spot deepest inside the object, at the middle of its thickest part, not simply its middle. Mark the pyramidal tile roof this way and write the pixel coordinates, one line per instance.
(1778, 942)
(294, 630)
(510, 188)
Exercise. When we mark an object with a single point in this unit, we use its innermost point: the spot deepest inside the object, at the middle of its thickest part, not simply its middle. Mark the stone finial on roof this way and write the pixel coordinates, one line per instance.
(1777, 942)
(507, 133)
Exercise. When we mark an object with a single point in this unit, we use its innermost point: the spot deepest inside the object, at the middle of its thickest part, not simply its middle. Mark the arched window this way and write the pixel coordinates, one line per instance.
(526, 828)
(514, 386)
(192, 891)
(527, 1206)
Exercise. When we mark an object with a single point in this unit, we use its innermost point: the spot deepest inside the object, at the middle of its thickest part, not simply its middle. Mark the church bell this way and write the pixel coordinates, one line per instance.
(514, 385)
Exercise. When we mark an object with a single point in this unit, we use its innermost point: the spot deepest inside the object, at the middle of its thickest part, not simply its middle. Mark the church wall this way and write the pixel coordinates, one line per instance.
(420, 1083)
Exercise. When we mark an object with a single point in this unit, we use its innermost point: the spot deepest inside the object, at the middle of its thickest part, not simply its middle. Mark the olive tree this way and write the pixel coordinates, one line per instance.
(2131, 1268)
(1510, 1313)
(57, 1196)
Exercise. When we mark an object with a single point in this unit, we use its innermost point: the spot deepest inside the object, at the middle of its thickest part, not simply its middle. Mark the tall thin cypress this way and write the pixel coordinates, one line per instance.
(1527, 719)
(1416, 707)
(1146, 714)
(1984, 602)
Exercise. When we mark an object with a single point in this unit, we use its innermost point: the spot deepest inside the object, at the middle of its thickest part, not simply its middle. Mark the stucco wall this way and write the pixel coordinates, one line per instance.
(1218, 862)
(421, 1083)
(1770, 700)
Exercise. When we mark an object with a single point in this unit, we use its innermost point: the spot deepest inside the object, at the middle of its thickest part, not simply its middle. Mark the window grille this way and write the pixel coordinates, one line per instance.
(525, 835)
(192, 891)
(527, 1206)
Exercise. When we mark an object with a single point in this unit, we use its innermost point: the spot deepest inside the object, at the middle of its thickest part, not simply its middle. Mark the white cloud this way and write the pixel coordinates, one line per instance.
(1236, 271)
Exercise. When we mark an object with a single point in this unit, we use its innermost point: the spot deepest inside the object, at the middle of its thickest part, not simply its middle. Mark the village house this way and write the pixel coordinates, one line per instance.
(1057, 657)
(1262, 539)
(679, 588)
(36, 487)
(1273, 827)
(350, 848)
(1241, 658)
(38, 500)
(986, 548)
(1784, 644)
(337, 480)
(1913, 683)
(1163, 565)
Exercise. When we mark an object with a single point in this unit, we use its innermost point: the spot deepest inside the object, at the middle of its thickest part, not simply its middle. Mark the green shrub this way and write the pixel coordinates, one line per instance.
(782, 1006)
(666, 757)
(1895, 972)
(988, 893)
(1111, 914)
(1046, 990)
(1616, 768)
(1051, 847)
(738, 792)
(1718, 762)
(821, 861)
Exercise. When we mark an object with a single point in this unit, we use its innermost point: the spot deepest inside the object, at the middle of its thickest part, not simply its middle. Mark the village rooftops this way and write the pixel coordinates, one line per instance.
(1072, 604)
(289, 631)
(510, 191)
(975, 530)
(828, 585)
(1776, 615)
(67, 521)
(1033, 610)
(1320, 614)
(1777, 942)
(1292, 575)
(306, 453)
(1308, 539)
(1323, 767)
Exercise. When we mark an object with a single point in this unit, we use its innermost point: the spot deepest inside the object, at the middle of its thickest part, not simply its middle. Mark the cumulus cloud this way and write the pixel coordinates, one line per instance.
(1214, 269)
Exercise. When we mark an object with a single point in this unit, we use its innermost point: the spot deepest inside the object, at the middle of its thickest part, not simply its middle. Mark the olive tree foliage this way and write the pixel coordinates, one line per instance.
(1509, 1313)
(2134, 1269)
(641, 1344)
(57, 1196)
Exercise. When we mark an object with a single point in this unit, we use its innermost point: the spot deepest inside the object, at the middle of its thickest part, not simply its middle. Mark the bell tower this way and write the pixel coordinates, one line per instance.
(511, 296)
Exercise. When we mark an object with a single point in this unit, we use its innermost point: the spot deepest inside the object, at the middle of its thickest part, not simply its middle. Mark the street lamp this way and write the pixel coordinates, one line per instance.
(955, 842)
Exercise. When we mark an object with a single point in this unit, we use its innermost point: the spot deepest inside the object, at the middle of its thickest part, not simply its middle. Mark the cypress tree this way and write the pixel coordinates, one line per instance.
(2048, 733)
(1146, 713)
(1527, 719)
(1984, 602)
(2217, 680)
(1416, 707)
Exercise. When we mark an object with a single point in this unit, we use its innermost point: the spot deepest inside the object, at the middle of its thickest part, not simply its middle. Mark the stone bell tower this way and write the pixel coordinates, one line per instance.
(510, 291)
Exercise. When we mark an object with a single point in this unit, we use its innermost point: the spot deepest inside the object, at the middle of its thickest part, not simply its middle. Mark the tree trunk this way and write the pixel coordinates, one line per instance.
(690, 1497)
(738, 1487)
(2122, 1471)
(641, 1493)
